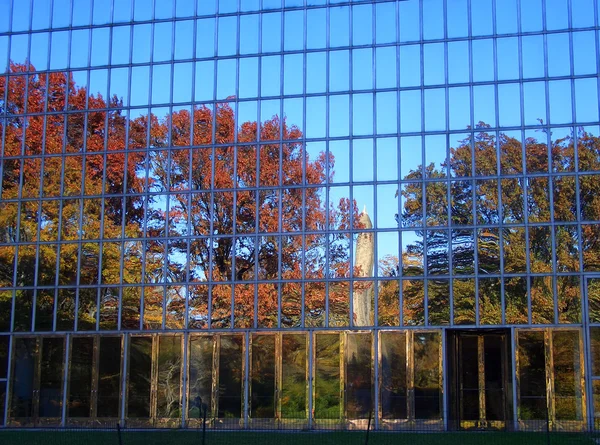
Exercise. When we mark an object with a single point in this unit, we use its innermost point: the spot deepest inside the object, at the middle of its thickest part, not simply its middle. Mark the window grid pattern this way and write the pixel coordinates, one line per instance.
(442, 201)
(187, 166)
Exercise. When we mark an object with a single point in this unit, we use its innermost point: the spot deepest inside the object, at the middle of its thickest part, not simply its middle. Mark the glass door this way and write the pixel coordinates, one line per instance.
(94, 381)
(37, 381)
(479, 379)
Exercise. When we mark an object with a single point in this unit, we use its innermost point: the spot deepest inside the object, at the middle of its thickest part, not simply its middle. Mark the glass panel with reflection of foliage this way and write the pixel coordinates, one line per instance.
(262, 386)
(427, 389)
(293, 376)
(230, 376)
(359, 401)
(327, 400)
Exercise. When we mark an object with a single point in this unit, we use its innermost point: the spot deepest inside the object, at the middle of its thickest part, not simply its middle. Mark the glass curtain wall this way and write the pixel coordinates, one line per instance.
(280, 213)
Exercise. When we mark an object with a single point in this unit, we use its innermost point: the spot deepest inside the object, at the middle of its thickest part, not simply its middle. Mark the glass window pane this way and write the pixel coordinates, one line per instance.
(359, 403)
(327, 398)
(293, 376)
(200, 376)
(427, 362)
(109, 377)
(51, 379)
(532, 375)
(262, 385)
(80, 377)
(24, 370)
(230, 376)
(140, 378)
(568, 387)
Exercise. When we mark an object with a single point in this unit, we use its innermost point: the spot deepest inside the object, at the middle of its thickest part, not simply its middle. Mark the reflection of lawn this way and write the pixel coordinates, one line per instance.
(194, 437)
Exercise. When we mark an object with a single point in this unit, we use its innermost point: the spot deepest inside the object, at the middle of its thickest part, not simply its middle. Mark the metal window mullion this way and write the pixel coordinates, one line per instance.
(304, 184)
(310, 377)
(65, 379)
(548, 135)
(524, 161)
(498, 162)
(124, 197)
(399, 169)
(281, 181)
(327, 166)
(246, 381)
(515, 383)
(444, 383)
(410, 376)
(234, 184)
(473, 162)
(21, 182)
(169, 157)
(126, 340)
(374, 411)
(147, 195)
(423, 163)
(212, 194)
(550, 402)
(190, 232)
(257, 237)
(587, 342)
(11, 340)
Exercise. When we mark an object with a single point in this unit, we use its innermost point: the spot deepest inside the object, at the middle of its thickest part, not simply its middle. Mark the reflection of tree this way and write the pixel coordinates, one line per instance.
(168, 211)
(477, 195)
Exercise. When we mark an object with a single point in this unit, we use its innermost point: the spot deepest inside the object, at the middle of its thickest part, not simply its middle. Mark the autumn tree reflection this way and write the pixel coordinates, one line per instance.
(161, 200)
(446, 243)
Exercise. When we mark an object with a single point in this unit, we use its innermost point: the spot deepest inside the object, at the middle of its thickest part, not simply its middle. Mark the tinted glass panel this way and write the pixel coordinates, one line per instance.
(80, 377)
(230, 376)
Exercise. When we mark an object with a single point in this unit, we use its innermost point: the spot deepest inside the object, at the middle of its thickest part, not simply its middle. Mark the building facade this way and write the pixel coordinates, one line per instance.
(300, 214)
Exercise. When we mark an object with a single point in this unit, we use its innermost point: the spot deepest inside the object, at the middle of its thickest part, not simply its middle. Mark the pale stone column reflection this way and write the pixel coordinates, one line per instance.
(363, 267)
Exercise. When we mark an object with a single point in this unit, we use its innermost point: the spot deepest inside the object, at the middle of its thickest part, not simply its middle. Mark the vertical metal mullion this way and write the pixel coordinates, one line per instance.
(548, 135)
(586, 356)
(278, 377)
(104, 159)
(257, 237)
(304, 180)
(410, 376)
(445, 385)
(66, 356)
(481, 379)
(169, 158)
(327, 167)
(524, 159)
(235, 169)
(473, 162)
(147, 156)
(125, 185)
(11, 340)
(343, 338)
(280, 170)
(213, 155)
(154, 379)
(498, 162)
(216, 346)
(95, 376)
(22, 161)
(126, 339)
(443, 377)
(184, 377)
(423, 162)
(515, 384)
(399, 169)
(375, 224)
(310, 377)
(246, 382)
(550, 402)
